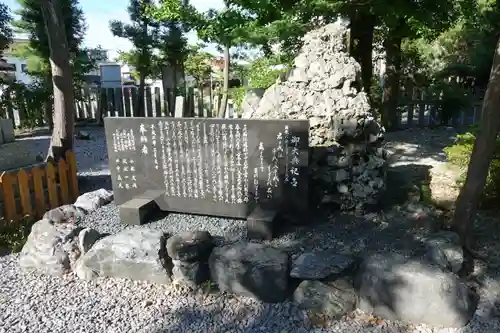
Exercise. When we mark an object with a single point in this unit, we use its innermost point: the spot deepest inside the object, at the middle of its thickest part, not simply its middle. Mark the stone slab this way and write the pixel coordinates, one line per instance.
(221, 167)
(137, 211)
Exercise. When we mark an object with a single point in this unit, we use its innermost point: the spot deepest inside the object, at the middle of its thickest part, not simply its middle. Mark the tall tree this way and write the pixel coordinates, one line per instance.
(37, 52)
(64, 106)
(5, 28)
(482, 154)
(413, 19)
(227, 28)
(142, 34)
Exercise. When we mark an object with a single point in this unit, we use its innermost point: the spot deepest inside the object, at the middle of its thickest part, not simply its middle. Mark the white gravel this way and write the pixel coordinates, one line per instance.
(35, 303)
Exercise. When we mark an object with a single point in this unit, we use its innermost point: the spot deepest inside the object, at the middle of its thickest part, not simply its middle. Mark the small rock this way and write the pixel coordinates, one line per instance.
(191, 273)
(190, 246)
(86, 238)
(334, 299)
(82, 135)
(50, 248)
(136, 254)
(251, 269)
(147, 303)
(444, 249)
(64, 214)
(321, 265)
(91, 201)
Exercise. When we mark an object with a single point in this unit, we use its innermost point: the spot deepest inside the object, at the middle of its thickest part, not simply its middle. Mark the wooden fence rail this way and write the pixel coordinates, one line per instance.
(94, 104)
(421, 113)
(415, 109)
(30, 192)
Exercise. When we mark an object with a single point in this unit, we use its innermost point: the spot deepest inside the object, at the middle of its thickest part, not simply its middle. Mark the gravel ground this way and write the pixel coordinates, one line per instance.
(34, 303)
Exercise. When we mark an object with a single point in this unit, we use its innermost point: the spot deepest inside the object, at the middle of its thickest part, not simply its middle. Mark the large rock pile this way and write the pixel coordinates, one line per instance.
(324, 87)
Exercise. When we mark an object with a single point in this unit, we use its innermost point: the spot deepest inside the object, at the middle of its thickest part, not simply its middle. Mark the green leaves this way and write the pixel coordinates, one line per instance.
(5, 28)
(197, 63)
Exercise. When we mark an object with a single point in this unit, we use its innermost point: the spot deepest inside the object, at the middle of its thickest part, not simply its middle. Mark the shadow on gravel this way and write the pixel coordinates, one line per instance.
(415, 144)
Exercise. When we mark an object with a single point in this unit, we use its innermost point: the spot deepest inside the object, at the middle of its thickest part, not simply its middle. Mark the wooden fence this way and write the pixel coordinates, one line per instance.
(416, 107)
(94, 104)
(30, 192)
(422, 113)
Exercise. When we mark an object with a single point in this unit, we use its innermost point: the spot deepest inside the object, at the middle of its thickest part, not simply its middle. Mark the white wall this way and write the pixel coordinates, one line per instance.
(20, 75)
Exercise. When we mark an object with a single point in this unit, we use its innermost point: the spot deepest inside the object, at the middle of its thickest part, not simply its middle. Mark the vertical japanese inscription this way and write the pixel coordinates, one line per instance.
(199, 162)
(240, 190)
(219, 158)
(182, 158)
(206, 164)
(215, 165)
(144, 139)
(175, 158)
(285, 140)
(232, 163)
(164, 165)
(155, 148)
(194, 159)
(187, 153)
(170, 160)
(295, 162)
(124, 141)
(226, 152)
(244, 142)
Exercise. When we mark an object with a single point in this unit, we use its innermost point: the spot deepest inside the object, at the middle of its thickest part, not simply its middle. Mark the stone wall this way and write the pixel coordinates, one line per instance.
(348, 165)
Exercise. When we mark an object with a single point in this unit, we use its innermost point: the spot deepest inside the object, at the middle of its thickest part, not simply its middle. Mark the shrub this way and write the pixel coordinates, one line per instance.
(459, 154)
(13, 235)
(237, 95)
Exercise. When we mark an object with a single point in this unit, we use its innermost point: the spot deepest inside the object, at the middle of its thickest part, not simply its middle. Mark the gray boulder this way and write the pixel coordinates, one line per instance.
(190, 246)
(334, 299)
(190, 273)
(91, 201)
(86, 238)
(444, 249)
(250, 269)
(64, 214)
(397, 288)
(136, 254)
(322, 265)
(51, 248)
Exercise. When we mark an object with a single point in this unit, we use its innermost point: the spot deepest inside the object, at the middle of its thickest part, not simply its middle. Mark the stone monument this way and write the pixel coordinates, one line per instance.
(324, 87)
(235, 168)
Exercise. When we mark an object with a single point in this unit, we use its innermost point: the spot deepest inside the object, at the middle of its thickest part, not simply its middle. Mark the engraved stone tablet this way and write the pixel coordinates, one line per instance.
(222, 167)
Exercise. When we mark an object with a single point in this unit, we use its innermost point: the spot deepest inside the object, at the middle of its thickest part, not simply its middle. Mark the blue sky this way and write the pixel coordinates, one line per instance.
(98, 13)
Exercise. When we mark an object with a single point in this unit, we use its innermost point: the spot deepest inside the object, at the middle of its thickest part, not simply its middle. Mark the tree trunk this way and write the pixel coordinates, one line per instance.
(361, 44)
(225, 87)
(390, 97)
(168, 83)
(482, 154)
(62, 79)
(139, 107)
